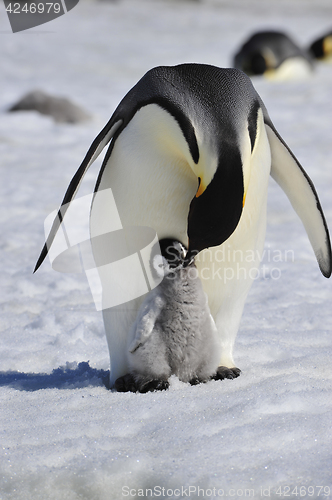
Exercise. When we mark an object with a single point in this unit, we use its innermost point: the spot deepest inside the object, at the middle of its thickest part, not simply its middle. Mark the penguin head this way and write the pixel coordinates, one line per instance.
(216, 209)
(168, 257)
(256, 65)
(322, 48)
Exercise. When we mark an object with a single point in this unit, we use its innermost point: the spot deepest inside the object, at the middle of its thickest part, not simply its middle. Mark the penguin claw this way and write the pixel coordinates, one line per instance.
(224, 372)
(125, 384)
(195, 381)
(154, 385)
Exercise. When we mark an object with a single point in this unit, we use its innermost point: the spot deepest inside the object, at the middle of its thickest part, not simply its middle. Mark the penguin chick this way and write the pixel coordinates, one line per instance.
(174, 332)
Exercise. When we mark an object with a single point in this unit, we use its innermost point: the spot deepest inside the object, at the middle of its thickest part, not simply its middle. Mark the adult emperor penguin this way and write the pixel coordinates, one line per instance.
(192, 147)
(274, 55)
(174, 332)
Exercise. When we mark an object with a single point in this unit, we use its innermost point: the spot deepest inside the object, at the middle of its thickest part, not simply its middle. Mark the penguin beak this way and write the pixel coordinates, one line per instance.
(201, 187)
(190, 256)
(216, 209)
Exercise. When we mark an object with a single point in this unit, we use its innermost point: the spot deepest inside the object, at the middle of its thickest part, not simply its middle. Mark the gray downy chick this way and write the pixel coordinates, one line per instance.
(60, 108)
(174, 332)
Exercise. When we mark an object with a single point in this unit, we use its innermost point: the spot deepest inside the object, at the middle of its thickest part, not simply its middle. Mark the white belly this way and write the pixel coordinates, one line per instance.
(294, 68)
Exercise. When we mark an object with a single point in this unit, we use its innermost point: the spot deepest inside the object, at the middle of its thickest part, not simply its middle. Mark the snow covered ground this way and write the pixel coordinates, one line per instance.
(63, 435)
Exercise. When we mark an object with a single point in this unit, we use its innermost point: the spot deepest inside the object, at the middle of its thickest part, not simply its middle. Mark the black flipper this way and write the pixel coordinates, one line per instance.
(95, 149)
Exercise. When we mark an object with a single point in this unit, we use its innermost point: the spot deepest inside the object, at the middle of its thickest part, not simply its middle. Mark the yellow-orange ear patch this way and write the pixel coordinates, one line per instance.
(327, 45)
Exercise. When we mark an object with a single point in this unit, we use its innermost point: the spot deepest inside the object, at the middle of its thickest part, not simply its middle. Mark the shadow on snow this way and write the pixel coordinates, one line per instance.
(71, 376)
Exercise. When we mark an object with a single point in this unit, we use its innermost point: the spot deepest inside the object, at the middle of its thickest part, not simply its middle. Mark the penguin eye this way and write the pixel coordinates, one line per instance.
(160, 265)
(157, 261)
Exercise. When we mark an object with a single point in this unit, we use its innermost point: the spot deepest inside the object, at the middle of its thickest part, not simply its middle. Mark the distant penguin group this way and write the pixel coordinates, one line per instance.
(276, 56)
(191, 149)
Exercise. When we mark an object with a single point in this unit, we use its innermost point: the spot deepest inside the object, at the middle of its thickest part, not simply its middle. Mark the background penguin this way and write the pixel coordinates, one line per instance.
(274, 55)
(321, 48)
(191, 154)
(174, 332)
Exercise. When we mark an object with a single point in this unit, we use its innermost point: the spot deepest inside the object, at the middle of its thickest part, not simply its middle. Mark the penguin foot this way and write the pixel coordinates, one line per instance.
(195, 381)
(154, 385)
(125, 384)
(224, 372)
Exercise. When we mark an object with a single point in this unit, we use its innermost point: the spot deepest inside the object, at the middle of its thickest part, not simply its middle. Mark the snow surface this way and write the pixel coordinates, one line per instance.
(63, 435)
